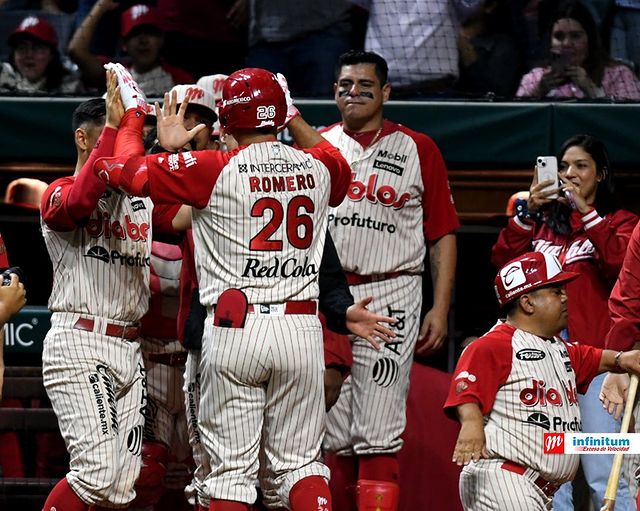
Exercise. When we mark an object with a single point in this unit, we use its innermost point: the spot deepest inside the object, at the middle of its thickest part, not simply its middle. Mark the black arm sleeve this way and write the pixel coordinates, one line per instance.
(335, 297)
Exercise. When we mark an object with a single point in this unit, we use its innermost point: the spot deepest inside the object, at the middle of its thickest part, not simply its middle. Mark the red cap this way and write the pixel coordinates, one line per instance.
(137, 16)
(38, 28)
(528, 272)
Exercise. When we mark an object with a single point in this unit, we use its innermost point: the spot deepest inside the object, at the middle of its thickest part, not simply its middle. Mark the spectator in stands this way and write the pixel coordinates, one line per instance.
(418, 39)
(34, 64)
(302, 39)
(488, 53)
(589, 233)
(578, 65)
(625, 32)
(142, 41)
(188, 25)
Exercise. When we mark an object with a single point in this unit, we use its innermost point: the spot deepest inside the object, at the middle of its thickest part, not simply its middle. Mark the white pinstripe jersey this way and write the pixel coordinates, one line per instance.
(260, 215)
(399, 196)
(102, 269)
(525, 386)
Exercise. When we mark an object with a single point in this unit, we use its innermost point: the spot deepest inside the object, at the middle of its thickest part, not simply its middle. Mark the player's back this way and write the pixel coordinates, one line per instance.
(264, 226)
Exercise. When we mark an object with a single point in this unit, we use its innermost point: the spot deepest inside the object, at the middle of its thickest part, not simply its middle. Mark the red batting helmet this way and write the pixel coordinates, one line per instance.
(252, 98)
(528, 272)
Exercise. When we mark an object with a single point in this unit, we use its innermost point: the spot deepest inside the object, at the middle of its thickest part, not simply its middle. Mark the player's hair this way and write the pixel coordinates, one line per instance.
(92, 111)
(509, 308)
(204, 112)
(353, 57)
(557, 215)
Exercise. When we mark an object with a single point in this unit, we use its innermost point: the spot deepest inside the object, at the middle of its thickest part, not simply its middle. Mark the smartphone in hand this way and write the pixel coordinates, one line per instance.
(559, 62)
(546, 169)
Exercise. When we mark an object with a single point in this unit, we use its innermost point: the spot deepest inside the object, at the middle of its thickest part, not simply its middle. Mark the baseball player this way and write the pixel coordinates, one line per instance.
(164, 357)
(259, 230)
(518, 381)
(99, 242)
(398, 203)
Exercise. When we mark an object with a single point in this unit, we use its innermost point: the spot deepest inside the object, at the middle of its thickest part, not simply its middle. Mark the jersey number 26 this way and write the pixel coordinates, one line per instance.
(295, 220)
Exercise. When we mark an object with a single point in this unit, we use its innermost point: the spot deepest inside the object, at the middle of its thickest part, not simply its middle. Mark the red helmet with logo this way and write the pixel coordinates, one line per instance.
(252, 98)
(528, 272)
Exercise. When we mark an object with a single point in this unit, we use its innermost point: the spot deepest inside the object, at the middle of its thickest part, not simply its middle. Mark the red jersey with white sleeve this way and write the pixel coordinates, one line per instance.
(398, 198)
(624, 303)
(595, 249)
(259, 215)
(525, 386)
(99, 242)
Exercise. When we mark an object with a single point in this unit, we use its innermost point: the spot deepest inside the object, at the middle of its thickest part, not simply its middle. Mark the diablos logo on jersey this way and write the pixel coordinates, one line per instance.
(104, 226)
(385, 195)
(539, 395)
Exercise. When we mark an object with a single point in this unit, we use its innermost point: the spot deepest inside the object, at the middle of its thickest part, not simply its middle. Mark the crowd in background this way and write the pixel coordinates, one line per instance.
(490, 49)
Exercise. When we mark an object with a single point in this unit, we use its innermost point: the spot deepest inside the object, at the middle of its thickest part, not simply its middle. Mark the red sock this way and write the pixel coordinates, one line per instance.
(344, 475)
(63, 498)
(228, 505)
(310, 494)
(379, 467)
(129, 138)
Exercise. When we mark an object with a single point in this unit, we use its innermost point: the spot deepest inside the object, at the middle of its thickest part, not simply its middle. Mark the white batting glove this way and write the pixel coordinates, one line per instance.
(292, 111)
(130, 91)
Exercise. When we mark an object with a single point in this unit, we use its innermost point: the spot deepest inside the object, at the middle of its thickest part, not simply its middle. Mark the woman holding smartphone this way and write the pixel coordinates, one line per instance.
(579, 66)
(589, 233)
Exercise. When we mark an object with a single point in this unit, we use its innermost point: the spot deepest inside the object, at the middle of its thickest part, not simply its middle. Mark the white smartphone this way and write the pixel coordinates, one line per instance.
(547, 168)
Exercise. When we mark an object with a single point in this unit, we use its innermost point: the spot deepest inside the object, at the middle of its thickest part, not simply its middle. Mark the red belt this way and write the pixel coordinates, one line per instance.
(300, 307)
(128, 332)
(178, 358)
(354, 279)
(547, 487)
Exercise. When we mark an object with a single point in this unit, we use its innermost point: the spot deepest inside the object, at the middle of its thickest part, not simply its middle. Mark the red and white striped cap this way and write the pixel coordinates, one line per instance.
(197, 96)
(213, 84)
(528, 272)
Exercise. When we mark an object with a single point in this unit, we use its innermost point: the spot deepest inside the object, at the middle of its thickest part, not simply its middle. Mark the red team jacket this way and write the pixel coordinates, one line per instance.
(595, 249)
(624, 304)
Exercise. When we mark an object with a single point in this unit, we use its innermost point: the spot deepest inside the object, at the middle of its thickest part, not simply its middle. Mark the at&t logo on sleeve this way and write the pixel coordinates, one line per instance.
(591, 443)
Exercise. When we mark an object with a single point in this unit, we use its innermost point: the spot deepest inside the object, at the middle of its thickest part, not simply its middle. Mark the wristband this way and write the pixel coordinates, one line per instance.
(616, 361)
(523, 213)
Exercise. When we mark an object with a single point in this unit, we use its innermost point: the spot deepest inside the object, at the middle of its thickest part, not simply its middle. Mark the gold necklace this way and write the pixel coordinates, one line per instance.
(375, 137)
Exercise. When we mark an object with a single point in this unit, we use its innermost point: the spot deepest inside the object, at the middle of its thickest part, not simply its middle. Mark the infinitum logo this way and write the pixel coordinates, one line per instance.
(591, 443)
